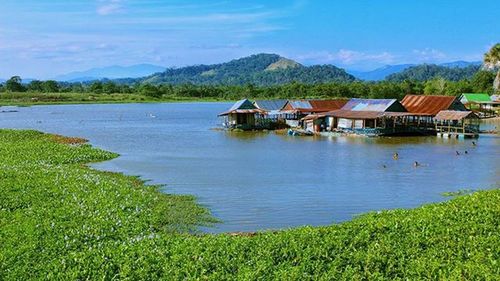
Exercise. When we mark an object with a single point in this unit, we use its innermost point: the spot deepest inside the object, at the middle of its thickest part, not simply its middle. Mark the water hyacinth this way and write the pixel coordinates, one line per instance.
(61, 220)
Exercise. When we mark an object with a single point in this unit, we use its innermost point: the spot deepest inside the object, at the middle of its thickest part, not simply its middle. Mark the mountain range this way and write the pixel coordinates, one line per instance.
(383, 72)
(265, 70)
(111, 72)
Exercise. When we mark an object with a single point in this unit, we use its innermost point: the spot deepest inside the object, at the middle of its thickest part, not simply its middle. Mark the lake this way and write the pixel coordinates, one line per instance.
(258, 181)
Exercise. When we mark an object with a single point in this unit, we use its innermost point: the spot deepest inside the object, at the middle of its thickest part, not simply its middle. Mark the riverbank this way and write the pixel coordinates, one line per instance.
(60, 219)
(29, 99)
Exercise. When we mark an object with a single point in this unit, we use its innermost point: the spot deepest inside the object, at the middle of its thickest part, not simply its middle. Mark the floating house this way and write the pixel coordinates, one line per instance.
(271, 107)
(424, 108)
(294, 110)
(452, 123)
(273, 118)
(480, 103)
(374, 117)
(243, 115)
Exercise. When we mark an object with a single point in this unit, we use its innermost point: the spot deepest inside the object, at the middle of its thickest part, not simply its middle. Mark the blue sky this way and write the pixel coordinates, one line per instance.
(42, 38)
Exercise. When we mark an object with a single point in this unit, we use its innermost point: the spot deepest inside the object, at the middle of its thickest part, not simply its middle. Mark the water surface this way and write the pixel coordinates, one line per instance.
(256, 181)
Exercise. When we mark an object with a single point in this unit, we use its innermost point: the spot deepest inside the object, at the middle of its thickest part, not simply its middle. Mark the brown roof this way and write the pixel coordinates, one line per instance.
(350, 114)
(312, 106)
(427, 105)
(327, 105)
(454, 115)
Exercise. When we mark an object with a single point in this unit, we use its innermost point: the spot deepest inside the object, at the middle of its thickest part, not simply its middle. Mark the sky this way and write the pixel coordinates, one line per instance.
(44, 38)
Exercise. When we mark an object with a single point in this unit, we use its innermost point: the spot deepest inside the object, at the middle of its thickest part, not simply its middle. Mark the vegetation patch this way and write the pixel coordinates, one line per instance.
(61, 220)
(458, 192)
(68, 140)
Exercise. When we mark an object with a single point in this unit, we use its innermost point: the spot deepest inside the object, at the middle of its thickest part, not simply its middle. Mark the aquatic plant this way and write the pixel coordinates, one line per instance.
(61, 220)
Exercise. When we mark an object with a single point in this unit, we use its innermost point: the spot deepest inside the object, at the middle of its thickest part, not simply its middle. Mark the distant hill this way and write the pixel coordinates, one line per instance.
(379, 73)
(382, 72)
(461, 63)
(260, 70)
(430, 71)
(111, 72)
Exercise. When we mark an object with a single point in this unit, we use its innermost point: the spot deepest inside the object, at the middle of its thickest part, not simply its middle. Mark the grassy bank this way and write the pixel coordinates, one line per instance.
(61, 220)
(27, 99)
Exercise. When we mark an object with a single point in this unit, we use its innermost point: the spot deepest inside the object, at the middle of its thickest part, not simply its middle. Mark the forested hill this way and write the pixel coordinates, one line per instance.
(426, 72)
(260, 70)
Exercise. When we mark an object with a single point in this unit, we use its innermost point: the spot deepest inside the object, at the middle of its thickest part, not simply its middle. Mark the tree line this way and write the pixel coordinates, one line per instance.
(482, 81)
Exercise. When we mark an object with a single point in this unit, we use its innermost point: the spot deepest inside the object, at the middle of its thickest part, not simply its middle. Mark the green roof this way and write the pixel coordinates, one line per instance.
(476, 97)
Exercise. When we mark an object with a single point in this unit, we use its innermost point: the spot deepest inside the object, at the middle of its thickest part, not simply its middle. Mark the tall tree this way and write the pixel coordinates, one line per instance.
(14, 84)
(492, 61)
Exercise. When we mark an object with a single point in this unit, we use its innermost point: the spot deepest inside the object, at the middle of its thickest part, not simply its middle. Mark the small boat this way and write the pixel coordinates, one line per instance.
(296, 132)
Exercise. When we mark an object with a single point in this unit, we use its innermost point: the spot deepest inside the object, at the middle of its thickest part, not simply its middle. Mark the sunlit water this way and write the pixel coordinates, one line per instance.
(256, 181)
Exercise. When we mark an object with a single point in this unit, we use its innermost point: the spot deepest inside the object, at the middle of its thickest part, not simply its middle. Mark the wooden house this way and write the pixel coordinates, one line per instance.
(425, 107)
(480, 103)
(295, 110)
(369, 117)
(243, 115)
(452, 123)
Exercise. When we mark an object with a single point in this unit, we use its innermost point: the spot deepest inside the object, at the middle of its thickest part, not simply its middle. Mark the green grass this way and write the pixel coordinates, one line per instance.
(61, 220)
(28, 98)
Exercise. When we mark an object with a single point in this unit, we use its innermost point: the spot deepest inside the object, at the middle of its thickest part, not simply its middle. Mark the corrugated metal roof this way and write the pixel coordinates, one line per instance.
(379, 105)
(429, 105)
(300, 104)
(243, 111)
(360, 114)
(309, 106)
(327, 105)
(270, 104)
(242, 104)
(451, 115)
(476, 97)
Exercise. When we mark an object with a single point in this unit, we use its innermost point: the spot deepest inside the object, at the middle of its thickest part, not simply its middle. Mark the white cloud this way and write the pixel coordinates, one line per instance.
(108, 7)
(429, 55)
(348, 57)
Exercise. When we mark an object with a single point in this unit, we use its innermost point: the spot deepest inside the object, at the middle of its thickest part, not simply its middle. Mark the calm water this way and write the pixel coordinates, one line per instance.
(255, 181)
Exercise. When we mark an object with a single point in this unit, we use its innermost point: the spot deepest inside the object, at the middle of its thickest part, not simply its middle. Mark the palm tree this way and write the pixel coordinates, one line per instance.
(492, 61)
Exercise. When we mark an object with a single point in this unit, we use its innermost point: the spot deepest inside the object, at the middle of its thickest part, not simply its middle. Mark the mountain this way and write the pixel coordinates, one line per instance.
(111, 72)
(382, 72)
(426, 72)
(260, 70)
(461, 63)
(379, 73)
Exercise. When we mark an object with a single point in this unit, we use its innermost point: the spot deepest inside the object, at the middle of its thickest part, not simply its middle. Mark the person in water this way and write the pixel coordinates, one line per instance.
(466, 152)
(416, 164)
(458, 153)
(395, 156)
(473, 143)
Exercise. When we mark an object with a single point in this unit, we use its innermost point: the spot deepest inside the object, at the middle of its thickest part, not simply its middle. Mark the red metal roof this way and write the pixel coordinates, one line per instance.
(327, 105)
(427, 105)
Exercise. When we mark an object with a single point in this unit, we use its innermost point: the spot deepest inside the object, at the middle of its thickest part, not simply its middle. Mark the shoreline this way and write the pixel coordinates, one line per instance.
(78, 214)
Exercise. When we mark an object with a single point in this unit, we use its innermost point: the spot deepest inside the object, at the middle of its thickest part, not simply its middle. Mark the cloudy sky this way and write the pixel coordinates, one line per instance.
(44, 38)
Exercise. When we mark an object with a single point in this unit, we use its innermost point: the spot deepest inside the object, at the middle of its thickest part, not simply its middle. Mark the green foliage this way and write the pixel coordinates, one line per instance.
(61, 220)
(427, 72)
(256, 69)
(14, 84)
